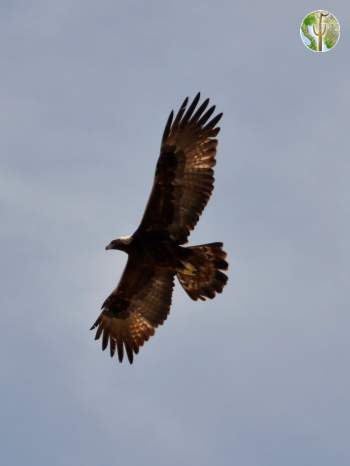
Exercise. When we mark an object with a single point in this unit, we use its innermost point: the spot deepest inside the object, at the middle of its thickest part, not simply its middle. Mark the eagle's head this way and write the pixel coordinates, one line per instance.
(121, 243)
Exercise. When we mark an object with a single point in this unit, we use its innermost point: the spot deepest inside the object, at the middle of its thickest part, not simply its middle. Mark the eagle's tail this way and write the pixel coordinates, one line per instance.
(201, 273)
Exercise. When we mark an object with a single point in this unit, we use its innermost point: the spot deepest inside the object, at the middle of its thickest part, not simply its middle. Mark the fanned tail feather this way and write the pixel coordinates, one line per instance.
(201, 273)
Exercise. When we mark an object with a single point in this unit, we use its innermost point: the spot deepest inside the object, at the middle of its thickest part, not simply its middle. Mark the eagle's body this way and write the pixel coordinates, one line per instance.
(152, 249)
(183, 183)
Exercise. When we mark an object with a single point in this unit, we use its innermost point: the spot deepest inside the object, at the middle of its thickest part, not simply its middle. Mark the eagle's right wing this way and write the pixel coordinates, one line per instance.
(135, 308)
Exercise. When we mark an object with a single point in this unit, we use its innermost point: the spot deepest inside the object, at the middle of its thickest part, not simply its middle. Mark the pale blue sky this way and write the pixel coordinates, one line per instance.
(257, 377)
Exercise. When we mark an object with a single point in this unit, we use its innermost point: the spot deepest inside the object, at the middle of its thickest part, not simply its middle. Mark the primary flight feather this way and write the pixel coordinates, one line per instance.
(182, 186)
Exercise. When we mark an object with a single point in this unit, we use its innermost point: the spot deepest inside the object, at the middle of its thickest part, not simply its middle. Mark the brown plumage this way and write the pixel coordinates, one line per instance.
(183, 183)
(208, 260)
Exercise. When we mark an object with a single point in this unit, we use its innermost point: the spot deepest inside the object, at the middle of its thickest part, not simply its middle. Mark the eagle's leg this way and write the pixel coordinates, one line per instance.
(188, 269)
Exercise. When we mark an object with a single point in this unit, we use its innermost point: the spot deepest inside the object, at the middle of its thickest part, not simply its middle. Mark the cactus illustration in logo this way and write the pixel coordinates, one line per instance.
(320, 31)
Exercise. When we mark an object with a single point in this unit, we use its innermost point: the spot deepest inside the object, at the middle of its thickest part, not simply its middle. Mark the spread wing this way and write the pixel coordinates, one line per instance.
(135, 308)
(184, 177)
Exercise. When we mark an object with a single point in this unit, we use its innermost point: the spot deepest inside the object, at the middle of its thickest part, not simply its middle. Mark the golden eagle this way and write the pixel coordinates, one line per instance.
(183, 183)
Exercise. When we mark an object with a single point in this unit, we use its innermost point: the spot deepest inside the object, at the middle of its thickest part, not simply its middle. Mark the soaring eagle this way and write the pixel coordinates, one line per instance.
(184, 180)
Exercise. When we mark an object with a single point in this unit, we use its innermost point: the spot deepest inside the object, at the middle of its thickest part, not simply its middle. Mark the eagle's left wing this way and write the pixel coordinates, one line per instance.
(135, 308)
(184, 177)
